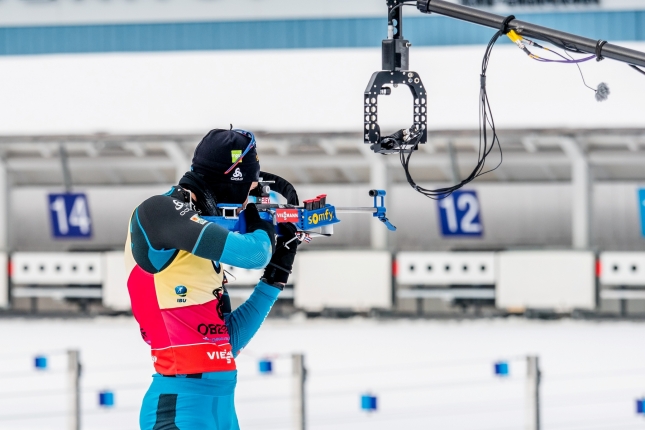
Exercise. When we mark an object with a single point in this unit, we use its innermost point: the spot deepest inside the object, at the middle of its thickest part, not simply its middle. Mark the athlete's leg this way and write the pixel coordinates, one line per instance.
(163, 411)
(158, 410)
(187, 404)
(223, 413)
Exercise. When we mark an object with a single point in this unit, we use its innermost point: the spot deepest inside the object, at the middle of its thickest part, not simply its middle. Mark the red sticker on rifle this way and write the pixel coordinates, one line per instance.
(287, 215)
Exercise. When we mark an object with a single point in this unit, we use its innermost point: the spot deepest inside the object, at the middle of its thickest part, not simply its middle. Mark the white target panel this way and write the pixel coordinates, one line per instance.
(445, 268)
(356, 280)
(238, 276)
(559, 280)
(622, 268)
(68, 268)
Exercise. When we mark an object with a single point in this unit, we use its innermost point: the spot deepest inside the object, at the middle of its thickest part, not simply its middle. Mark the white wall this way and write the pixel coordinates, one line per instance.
(357, 280)
(514, 215)
(562, 280)
(302, 90)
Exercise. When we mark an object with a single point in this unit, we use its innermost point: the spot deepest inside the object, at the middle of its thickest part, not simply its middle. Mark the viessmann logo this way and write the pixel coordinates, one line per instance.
(287, 215)
(316, 218)
(224, 355)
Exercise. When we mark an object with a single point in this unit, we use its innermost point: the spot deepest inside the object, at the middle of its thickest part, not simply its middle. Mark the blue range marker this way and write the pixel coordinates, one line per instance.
(368, 403)
(501, 368)
(641, 209)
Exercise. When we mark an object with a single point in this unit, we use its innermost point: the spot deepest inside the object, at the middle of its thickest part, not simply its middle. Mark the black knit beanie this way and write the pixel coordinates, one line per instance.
(215, 154)
(218, 151)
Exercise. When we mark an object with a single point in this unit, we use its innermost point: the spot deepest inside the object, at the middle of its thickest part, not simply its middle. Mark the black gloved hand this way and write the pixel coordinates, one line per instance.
(280, 186)
(279, 268)
(254, 222)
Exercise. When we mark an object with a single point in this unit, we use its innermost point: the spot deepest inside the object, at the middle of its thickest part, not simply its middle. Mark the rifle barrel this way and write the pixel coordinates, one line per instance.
(356, 210)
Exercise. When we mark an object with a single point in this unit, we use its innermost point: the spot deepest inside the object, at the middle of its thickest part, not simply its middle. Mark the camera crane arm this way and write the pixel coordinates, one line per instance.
(396, 71)
(568, 41)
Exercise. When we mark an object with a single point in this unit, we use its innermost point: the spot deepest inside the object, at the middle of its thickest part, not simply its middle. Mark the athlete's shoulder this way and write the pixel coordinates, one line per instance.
(174, 200)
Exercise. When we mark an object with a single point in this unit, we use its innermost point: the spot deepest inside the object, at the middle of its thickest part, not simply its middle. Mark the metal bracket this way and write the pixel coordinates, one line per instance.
(395, 49)
(380, 84)
(379, 206)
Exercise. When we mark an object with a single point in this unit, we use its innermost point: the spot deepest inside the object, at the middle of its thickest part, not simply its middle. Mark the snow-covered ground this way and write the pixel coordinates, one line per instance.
(426, 374)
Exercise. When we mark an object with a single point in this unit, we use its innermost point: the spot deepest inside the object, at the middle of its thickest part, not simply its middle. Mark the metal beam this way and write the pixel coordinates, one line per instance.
(379, 179)
(580, 194)
(64, 162)
(487, 19)
(350, 174)
(41, 164)
(301, 173)
(178, 157)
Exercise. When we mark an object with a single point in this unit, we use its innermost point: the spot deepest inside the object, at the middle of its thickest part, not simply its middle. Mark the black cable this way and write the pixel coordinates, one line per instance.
(562, 44)
(405, 3)
(485, 147)
(638, 69)
(579, 69)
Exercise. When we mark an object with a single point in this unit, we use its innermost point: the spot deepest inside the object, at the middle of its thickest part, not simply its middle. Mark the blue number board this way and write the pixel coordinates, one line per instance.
(460, 214)
(70, 215)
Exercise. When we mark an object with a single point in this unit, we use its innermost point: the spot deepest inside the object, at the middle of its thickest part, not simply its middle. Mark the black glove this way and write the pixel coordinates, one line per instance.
(279, 268)
(280, 186)
(254, 222)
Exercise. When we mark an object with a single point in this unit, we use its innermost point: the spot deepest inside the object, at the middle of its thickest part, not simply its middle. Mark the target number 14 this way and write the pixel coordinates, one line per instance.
(70, 215)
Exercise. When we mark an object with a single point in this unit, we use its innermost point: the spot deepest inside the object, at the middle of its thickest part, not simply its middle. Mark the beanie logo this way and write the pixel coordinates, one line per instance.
(235, 155)
(237, 175)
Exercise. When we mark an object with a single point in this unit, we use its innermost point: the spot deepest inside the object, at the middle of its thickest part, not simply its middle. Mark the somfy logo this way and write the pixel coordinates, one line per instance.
(237, 175)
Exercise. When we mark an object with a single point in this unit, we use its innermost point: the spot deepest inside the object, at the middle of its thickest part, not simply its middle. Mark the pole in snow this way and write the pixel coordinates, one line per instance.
(73, 379)
(533, 376)
(299, 375)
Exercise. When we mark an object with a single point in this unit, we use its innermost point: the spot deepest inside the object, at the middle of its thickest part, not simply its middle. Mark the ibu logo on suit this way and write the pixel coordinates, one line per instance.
(181, 291)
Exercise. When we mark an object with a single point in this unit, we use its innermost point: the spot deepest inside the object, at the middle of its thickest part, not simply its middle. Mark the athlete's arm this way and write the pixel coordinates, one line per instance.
(168, 223)
(245, 321)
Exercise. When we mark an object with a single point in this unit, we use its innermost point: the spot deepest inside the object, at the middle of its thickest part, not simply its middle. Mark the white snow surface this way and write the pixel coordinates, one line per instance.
(426, 374)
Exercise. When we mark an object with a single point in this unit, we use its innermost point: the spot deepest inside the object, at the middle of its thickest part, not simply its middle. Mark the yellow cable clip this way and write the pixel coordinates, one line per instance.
(517, 39)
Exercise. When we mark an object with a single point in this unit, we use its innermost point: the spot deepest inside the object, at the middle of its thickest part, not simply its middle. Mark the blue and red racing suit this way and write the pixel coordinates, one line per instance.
(176, 288)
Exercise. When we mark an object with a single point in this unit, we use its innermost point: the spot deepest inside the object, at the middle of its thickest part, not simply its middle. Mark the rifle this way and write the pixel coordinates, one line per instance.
(314, 218)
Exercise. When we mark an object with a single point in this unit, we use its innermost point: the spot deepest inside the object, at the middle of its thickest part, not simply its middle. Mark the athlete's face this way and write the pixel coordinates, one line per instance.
(254, 185)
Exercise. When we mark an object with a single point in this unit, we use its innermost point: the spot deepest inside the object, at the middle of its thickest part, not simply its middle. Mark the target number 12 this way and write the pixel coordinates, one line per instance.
(459, 214)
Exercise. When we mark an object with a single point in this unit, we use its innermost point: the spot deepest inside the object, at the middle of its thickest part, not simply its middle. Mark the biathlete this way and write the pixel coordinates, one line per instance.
(176, 283)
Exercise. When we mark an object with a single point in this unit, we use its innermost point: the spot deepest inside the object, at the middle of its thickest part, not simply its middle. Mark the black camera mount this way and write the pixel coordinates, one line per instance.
(395, 51)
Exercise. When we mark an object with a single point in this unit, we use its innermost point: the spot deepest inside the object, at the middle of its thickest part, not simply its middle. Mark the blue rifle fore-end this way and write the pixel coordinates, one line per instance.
(305, 220)
(316, 218)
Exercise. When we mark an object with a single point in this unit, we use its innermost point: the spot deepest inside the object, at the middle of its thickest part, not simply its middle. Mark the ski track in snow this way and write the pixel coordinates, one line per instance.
(426, 374)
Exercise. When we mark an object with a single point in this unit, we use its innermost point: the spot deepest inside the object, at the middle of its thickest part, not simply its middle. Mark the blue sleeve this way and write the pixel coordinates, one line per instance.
(248, 251)
(245, 321)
